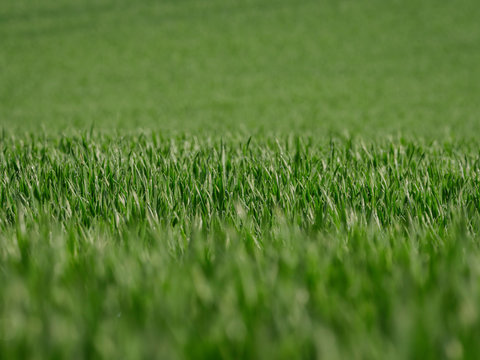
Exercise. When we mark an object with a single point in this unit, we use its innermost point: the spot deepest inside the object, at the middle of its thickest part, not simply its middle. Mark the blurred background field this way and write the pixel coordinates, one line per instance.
(362, 67)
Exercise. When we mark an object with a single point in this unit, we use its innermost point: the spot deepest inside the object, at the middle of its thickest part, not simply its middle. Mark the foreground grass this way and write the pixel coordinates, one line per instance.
(144, 246)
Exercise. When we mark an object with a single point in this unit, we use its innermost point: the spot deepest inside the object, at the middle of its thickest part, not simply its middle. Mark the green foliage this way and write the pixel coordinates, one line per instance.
(366, 67)
(238, 248)
(239, 179)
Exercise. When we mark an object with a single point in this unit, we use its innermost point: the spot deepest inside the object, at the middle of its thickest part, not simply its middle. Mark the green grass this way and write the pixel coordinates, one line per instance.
(239, 179)
(188, 247)
(364, 67)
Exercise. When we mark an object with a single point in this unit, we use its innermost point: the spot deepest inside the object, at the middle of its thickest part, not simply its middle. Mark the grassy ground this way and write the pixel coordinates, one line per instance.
(255, 179)
(190, 65)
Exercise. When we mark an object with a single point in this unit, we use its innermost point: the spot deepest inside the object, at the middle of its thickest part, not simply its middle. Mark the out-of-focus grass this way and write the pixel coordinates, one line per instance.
(370, 67)
(356, 294)
(144, 246)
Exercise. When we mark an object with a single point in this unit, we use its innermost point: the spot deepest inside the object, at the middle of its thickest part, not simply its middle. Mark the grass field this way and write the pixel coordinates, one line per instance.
(239, 179)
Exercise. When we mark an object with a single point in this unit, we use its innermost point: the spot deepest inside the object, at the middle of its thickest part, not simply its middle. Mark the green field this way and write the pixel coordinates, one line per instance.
(239, 179)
